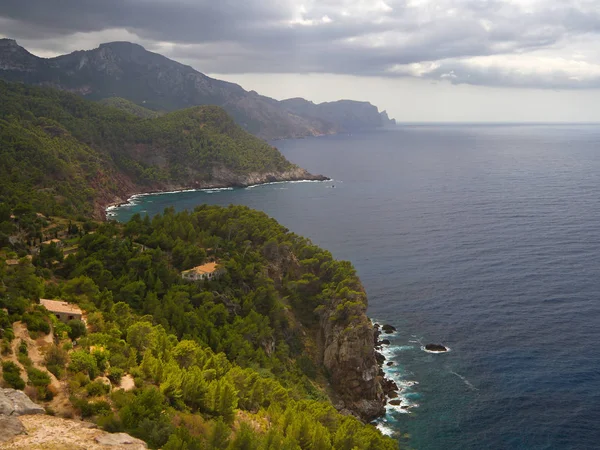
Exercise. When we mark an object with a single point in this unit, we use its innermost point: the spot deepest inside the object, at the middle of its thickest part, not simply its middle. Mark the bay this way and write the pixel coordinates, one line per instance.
(483, 238)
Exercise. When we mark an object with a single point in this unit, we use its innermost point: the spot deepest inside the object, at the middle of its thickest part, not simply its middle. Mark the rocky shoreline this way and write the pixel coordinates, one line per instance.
(391, 389)
(224, 180)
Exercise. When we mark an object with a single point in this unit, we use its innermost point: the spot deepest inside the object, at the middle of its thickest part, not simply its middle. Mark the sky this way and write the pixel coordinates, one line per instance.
(421, 60)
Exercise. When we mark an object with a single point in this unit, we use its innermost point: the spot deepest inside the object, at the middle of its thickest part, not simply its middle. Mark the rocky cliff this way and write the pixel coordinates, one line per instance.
(348, 115)
(123, 69)
(348, 353)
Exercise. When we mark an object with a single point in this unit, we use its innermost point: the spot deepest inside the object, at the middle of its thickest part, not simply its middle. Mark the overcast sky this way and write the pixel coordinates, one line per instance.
(422, 60)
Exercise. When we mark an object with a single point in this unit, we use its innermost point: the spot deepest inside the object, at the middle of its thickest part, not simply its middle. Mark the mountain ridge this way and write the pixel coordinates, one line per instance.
(127, 70)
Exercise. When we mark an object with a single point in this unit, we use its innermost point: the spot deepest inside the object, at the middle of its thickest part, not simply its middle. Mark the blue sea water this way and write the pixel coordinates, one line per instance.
(483, 238)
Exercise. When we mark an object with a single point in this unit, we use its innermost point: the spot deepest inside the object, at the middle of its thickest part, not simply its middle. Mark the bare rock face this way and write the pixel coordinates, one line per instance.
(121, 440)
(349, 356)
(54, 433)
(10, 426)
(16, 403)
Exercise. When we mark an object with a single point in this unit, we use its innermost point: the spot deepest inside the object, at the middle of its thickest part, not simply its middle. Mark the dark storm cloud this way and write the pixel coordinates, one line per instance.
(359, 37)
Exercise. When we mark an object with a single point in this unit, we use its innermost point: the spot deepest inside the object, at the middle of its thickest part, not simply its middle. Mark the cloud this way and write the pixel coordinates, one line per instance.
(527, 43)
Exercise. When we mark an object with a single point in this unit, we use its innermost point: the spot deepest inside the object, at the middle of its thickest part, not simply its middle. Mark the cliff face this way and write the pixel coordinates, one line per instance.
(348, 115)
(348, 354)
(123, 69)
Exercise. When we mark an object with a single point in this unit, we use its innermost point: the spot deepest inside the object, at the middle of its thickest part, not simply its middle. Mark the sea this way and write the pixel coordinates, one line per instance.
(483, 238)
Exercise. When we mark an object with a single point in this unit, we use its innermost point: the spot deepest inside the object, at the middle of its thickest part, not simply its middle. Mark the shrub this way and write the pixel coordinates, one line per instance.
(23, 348)
(12, 375)
(40, 380)
(97, 388)
(76, 329)
(89, 409)
(24, 360)
(5, 347)
(82, 361)
(55, 360)
(38, 377)
(36, 321)
(115, 374)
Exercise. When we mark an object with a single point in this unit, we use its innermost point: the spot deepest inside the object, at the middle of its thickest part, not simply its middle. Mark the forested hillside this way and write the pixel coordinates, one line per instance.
(71, 156)
(238, 362)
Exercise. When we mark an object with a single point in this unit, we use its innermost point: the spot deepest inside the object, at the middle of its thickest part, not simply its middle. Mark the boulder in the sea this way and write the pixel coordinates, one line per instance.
(392, 394)
(388, 329)
(384, 342)
(380, 358)
(436, 348)
(395, 402)
(389, 386)
(390, 363)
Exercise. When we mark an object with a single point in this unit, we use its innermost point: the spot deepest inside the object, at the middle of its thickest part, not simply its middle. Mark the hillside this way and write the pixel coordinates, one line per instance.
(129, 107)
(251, 359)
(72, 156)
(123, 69)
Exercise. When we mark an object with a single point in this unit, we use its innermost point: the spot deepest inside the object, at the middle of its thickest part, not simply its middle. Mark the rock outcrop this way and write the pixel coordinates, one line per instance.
(16, 403)
(349, 356)
(54, 433)
(120, 439)
(436, 348)
(10, 426)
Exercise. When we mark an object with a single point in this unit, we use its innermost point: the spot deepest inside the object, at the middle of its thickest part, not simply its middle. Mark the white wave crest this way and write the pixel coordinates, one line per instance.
(467, 382)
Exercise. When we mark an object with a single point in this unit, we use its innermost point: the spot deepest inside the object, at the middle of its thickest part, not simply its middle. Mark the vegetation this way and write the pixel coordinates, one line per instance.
(65, 155)
(224, 364)
(12, 375)
(129, 107)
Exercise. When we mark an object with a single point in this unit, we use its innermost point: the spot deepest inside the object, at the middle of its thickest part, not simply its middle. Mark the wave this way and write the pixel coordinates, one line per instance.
(252, 186)
(132, 201)
(385, 429)
(467, 382)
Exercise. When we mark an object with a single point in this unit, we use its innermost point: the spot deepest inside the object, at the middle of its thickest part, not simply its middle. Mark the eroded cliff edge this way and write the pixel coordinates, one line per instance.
(347, 351)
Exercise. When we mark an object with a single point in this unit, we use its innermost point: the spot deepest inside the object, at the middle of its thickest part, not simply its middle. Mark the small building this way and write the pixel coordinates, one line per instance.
(208, 271)
(58, 242)
(62, 310)
(16, 262)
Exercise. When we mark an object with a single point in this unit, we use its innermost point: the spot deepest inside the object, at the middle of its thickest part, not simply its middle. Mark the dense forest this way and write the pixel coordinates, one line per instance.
(71, 156)
(229, 363)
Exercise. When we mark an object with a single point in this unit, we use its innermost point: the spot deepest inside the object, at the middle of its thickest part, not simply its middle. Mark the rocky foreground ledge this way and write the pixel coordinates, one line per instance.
(24, 425)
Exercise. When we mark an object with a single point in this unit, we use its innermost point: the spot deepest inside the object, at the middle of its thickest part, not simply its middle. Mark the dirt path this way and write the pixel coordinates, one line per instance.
(36, 349)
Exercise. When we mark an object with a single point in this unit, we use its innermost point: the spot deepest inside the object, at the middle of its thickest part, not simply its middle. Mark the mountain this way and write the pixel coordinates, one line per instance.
(347, 114)
(73, 156)
(123, 69)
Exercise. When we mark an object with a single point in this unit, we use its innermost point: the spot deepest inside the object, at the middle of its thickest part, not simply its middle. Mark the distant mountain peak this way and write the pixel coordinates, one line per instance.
(125, 69)
(5, 42)
(121, 44)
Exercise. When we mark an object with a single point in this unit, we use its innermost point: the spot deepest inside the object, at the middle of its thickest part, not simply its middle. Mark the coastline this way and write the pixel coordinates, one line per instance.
(112, 206)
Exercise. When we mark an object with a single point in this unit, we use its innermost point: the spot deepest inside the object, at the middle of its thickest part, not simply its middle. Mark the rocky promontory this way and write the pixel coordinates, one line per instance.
(348, 354)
